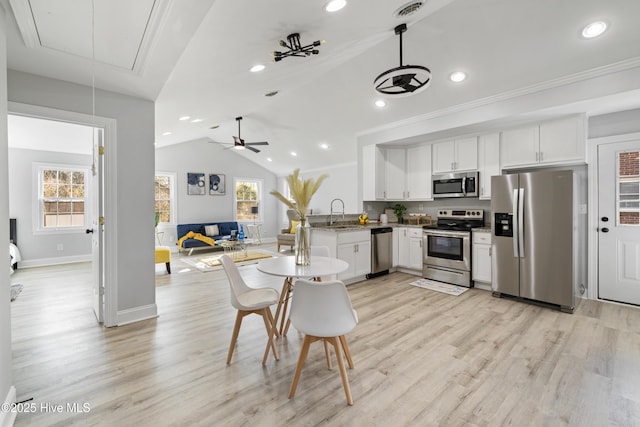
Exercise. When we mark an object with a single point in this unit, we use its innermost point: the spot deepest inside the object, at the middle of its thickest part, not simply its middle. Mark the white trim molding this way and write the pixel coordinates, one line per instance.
(137, 314)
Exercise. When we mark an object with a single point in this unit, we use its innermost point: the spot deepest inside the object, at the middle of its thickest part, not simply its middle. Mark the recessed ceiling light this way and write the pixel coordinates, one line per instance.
(594, 29)
(294, 154)
(269, 159)
(257, 68)
(335, 5)
(183, 118)
(458, 76)
(380, 103)
(196, 120)
(324, 146)
(166, 133)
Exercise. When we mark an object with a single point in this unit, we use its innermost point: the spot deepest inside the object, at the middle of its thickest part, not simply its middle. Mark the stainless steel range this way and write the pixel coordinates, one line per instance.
(446, 248)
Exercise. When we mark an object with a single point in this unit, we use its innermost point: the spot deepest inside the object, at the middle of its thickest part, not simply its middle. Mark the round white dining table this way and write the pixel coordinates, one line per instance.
(286, 267)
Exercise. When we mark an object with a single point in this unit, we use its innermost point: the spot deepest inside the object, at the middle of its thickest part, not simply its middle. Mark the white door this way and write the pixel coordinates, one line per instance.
(96, 230)
(619, 222)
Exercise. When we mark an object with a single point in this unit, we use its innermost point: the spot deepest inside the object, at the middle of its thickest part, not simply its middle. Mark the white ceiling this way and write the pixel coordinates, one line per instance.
(194, 59)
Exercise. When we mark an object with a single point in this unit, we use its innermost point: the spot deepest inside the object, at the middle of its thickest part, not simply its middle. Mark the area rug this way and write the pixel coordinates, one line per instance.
(212, 263)
(15, 291)
(439, 287)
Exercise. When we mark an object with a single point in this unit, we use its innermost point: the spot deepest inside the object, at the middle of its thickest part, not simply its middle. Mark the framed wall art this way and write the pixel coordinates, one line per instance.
(196, 183)
(216, 184)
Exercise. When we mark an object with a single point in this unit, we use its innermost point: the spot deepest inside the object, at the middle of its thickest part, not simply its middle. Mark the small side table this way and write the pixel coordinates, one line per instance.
(254, 231)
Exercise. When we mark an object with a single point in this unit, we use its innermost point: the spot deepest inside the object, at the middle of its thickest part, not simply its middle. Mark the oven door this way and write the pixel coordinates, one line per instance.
(446, 248)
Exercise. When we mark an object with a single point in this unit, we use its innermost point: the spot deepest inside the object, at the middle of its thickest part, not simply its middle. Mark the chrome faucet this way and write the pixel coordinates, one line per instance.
(331, 215)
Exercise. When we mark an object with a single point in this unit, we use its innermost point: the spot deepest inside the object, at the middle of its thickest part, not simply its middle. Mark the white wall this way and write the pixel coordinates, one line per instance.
(200, 156)
(6, 382)
(618, 123)
(41, 249)
(341, 183)
(134, 156)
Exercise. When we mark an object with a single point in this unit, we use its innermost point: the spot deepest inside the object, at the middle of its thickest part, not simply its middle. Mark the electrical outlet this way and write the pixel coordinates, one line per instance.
(60, 247)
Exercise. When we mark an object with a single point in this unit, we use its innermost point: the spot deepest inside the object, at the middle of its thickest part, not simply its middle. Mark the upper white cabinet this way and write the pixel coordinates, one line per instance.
(457, 155)
(419, 173)
(396, 173)
(554, 142)
(488, 162)
(373, 177)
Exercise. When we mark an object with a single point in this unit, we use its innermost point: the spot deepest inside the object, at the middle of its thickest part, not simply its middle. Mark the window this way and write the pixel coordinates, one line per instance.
(165, 202)
(248, 195)
(629, 188)
(62, 197)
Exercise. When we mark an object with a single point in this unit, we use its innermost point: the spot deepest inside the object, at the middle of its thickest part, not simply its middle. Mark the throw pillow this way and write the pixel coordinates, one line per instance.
(294, 224)
(211, 230)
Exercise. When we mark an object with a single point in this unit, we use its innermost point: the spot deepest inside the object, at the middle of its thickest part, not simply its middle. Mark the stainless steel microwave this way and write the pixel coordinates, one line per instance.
(456, 184)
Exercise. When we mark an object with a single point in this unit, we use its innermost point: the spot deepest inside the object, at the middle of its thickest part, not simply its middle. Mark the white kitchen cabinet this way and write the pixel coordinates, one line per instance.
(418, 175)
(548, 143)
(354, 247)
(481, 258)
(457, 155)
(395, 173)
(373, 173)
(488, 162)
(410, 247)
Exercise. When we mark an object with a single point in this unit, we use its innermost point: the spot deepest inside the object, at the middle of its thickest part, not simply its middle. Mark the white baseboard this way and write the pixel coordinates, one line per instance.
(137, 314)
(8, 418)
(41, 262)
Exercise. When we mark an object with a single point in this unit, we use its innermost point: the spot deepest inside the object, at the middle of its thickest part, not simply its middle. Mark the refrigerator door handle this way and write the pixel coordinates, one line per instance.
(521, 222)
(516, 215)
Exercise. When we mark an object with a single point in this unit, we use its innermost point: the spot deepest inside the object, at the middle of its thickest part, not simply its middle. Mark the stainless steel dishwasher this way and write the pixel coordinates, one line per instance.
(381, 251)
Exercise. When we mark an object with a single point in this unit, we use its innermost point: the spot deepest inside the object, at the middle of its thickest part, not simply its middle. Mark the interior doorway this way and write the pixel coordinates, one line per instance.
(619, 220)
(66, 148)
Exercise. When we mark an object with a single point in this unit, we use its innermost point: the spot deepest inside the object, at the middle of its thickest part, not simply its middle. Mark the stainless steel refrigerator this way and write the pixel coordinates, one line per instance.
(532, 218)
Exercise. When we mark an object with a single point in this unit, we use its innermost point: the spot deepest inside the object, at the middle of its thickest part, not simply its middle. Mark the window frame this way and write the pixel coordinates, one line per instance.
(173, 200)
(260, 184)
(38, 198)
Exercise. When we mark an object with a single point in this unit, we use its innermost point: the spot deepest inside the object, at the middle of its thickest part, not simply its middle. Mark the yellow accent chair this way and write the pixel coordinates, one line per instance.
(163, 255)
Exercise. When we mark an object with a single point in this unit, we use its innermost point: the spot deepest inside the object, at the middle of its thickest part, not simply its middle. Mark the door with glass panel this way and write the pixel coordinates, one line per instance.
(619, 221)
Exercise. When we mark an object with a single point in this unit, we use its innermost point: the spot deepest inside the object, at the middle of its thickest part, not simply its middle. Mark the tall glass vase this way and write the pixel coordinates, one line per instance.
(303, 240)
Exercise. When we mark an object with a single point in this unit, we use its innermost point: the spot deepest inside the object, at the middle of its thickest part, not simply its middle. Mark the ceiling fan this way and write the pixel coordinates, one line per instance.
(239, 144)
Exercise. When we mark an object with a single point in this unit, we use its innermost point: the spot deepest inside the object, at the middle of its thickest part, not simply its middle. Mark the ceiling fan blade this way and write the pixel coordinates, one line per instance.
(257, 143)
(222, 143)
(255, 150)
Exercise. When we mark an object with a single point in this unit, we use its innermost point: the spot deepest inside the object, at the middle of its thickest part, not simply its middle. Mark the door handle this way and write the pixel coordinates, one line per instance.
(604, 230)
(89, 230)
(604, 219)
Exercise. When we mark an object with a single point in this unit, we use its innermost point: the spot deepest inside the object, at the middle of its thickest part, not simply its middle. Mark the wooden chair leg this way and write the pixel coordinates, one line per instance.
(273, 322)
(347, 353)
(343, 370)
(270, 343)
(278, 250)
(168, 264)
(234, 336)
(303, 356)
(283, 296)
(326, 353)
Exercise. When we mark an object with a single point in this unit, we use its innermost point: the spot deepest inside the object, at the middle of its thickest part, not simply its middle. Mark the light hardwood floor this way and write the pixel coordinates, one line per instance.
(421, 358)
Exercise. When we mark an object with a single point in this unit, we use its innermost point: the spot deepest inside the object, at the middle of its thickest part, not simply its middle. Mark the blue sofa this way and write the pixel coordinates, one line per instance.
(223, 227)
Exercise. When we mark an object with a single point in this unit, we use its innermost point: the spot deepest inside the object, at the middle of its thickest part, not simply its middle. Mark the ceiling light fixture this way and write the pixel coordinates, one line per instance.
(183, 118)
(269, 159)
(324, 146)
(296, 48)
(257, 68)
(594, 29)
(294, 154)
(404, 80)
(458, 76)
(196, 120)
(166, 133)
(380, 103)
(335, 5)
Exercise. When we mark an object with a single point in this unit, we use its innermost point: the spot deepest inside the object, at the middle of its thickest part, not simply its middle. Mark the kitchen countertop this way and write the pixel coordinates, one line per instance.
(356, 227)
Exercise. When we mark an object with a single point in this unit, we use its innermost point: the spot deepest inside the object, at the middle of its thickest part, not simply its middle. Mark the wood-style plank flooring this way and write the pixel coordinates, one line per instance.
(421, 358)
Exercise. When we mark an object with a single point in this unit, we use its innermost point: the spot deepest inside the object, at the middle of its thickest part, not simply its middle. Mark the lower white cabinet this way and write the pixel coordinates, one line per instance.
(481, 258)
(410, 247)
(354, 247)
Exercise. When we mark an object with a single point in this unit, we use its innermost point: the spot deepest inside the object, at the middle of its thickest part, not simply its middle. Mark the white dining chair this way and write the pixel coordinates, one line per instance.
(248, 300)
(323, 312)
